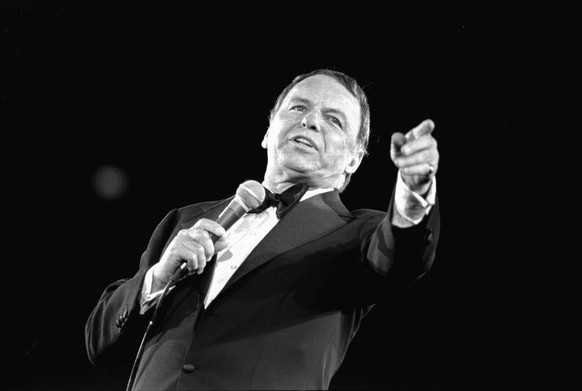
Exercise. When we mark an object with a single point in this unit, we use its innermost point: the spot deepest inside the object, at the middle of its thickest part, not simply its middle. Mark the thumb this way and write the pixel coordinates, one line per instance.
(398, 139)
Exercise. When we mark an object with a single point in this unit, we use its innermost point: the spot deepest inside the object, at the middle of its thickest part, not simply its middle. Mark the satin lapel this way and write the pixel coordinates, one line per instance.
(307, 221)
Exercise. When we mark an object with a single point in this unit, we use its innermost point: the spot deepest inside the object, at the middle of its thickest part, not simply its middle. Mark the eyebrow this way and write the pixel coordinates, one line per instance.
(307, 102)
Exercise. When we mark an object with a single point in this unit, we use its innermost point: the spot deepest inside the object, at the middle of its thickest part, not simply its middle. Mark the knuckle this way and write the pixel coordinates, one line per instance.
(202, 223)
(420, 157)
(192, 230)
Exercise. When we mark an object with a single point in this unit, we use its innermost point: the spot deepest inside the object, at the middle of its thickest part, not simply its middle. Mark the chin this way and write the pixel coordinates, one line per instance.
(299, 167)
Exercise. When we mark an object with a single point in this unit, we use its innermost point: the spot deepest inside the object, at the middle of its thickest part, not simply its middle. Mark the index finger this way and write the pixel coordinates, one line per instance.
(422, 129)
(211, 226)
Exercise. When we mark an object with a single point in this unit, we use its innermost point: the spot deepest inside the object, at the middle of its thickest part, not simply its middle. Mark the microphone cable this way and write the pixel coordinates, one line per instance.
(172, 280)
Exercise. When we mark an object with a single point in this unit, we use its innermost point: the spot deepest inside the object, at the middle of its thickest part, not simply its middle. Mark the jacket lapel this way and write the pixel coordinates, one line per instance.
(307, 221)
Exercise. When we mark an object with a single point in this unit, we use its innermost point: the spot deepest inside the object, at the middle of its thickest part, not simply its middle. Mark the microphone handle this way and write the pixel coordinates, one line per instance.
(231, 214)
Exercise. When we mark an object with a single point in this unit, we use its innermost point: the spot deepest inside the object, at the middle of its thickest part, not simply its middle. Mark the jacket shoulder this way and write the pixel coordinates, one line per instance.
(194, 211)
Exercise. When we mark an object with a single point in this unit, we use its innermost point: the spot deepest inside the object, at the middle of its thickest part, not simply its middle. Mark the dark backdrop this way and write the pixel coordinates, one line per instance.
(175, 96)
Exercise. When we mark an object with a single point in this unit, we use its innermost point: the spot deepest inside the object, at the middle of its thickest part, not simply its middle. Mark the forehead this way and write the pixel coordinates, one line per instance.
(328, 92)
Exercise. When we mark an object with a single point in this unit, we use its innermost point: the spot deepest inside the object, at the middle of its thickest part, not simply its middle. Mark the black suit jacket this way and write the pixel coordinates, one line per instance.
(285, 318)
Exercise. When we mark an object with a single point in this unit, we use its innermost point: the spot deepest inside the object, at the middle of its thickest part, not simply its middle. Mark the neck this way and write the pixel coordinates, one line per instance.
(282, 186)
(279, 183)
(279, 187)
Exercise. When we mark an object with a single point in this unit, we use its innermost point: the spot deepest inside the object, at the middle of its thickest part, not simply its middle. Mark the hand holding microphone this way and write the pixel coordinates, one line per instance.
(194, 247)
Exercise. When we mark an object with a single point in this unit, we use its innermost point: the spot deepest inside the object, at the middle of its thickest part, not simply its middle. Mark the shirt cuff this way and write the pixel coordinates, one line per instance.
(148, 299)
(411, 207)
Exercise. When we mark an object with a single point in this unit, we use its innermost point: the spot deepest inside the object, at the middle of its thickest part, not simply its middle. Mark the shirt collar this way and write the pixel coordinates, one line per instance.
(309, 193)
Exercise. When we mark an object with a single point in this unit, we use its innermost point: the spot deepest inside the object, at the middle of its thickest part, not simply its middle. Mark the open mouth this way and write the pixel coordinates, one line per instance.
(304, 141)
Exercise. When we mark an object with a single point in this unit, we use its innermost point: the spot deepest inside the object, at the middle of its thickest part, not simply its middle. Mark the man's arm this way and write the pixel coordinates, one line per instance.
(402, 248)
(115, 327)
(403, 254)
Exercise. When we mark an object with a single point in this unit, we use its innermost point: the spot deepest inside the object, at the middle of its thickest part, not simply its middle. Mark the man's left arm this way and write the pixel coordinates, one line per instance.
(403, 246)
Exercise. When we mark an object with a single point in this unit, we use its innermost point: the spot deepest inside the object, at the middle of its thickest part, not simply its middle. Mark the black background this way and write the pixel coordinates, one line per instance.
(177, 95)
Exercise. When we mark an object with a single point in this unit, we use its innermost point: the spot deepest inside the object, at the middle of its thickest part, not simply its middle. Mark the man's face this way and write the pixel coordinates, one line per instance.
(312, 137)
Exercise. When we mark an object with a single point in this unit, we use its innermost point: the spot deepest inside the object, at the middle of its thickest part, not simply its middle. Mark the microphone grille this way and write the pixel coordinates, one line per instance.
(251, 193)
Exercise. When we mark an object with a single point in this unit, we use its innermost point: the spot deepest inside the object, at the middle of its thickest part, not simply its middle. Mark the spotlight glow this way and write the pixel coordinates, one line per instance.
(110, 182)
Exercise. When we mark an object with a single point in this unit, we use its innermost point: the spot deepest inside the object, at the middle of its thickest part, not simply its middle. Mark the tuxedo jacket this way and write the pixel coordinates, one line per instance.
(285, 318)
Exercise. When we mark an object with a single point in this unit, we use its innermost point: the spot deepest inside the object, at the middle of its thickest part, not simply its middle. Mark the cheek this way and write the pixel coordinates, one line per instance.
(338, 159)
(277, 129)
(338, 146)
(271, 136)
(339, 152)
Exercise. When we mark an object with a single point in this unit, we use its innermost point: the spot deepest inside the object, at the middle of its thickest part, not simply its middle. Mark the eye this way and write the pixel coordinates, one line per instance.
(336, 121)
(299, 108)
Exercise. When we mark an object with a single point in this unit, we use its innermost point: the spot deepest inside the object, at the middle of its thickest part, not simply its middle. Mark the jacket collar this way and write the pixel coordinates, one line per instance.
(309, 220)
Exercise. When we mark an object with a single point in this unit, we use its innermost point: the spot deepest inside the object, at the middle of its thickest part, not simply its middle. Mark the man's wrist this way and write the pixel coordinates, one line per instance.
(421, 188)
(157, 283)
(153, 284)
(411, 205)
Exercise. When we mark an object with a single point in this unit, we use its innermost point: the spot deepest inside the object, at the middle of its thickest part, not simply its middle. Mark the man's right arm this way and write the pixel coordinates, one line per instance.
(115, 327)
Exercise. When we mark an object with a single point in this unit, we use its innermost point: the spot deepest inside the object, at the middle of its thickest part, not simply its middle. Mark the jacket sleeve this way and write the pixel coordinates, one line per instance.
(115, 327)
(396, 257)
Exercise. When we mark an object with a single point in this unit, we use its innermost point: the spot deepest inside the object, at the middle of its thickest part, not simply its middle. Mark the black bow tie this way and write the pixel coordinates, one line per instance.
(284, 201)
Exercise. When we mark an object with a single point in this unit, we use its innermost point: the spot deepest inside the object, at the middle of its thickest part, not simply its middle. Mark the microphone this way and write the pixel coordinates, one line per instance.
(249, 195)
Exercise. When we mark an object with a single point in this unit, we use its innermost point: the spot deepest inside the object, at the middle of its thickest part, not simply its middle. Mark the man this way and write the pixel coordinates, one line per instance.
(274, 302)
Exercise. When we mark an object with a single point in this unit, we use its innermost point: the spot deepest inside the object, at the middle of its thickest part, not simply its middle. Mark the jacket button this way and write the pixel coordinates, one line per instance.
(188, 368)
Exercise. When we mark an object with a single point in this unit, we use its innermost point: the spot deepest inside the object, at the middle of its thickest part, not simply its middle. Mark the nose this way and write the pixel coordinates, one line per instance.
(311, 121)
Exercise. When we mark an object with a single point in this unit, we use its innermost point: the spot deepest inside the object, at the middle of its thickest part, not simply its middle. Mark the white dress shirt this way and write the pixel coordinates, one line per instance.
(249, 230)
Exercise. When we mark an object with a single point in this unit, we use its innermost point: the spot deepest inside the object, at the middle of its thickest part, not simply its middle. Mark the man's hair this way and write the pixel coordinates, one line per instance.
(354, 88)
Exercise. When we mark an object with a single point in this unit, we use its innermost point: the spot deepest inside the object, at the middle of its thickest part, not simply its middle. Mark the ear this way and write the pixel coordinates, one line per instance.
(265, 143)
(355, 161)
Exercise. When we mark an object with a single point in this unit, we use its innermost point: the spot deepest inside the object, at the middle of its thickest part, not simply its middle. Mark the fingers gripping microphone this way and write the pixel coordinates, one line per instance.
(249, 195)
